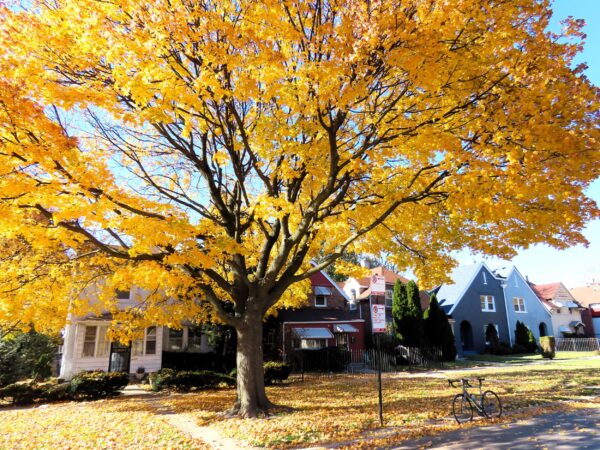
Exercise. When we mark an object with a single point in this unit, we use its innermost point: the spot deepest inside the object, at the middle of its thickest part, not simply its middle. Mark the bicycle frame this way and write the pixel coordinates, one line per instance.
(490, 406)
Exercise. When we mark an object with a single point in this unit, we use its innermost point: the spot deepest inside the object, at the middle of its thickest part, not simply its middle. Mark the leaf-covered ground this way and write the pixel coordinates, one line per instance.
(344, 408)
(119, 423)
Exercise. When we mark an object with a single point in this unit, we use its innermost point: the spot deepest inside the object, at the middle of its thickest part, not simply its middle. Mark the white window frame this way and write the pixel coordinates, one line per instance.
(324, 305)
(139, 347)
(484, 277)
(519, 305)
(389, 298)
(310, 344)
(101, 344)
(484, 302)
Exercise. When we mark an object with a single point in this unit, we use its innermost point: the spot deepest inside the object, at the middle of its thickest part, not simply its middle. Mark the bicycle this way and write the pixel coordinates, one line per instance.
(488, 403)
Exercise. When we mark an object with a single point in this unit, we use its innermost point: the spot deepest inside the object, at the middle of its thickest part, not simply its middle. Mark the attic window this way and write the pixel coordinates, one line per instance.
(320, 301)
(484, 277)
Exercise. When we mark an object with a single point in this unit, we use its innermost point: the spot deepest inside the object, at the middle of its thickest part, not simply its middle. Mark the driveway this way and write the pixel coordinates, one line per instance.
(560, 431)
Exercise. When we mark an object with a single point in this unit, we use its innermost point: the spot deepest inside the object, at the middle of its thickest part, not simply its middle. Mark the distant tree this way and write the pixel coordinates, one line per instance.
(332, 271)
(26, 355)
(524, 337)
(407, 315)
(438, 330)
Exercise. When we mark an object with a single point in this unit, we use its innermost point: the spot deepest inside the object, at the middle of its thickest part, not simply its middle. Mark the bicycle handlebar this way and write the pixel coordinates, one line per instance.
(465, 381)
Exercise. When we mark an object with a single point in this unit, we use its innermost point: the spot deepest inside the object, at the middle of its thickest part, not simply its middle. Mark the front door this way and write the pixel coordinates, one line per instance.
(120, 356)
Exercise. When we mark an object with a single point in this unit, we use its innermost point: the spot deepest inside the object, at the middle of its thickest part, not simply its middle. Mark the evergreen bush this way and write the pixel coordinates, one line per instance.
(438, 330)
(524, 338)
(407, 315)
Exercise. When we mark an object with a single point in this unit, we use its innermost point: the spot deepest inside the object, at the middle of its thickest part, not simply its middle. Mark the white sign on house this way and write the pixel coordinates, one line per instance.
(378, 318)
(377, 285)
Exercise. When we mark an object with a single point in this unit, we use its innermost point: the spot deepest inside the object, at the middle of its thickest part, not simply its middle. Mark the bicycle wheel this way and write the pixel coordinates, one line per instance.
(462, 409)
(491, 404)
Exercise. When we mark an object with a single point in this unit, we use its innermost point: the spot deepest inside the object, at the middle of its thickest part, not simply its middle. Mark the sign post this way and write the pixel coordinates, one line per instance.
(378, 326)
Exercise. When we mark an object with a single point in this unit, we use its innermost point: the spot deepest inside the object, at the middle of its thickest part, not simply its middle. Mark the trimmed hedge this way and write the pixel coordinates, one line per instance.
(23, 393)
(83, 386)
(187, 380)
(548, 345)
(97, 384)
(276, 372)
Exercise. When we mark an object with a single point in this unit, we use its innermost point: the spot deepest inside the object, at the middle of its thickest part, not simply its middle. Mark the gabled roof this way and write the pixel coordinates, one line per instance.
(449, 294)
(545, 291)
(389, 275)
(587, 295)
(335, 285)
(548, 294)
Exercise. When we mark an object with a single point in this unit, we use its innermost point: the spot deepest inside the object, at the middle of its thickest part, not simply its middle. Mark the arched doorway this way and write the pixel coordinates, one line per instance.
(466, 336)
(543, 329)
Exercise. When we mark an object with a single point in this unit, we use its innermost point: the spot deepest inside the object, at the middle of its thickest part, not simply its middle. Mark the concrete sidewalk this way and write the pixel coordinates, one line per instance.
(578, 429)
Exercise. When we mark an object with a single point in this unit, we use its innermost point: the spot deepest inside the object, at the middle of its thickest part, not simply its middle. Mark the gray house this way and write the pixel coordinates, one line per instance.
(479, 297)
(524, 305)
(474, 300)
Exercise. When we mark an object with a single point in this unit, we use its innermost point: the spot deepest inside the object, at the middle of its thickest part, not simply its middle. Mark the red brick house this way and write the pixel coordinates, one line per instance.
(361, 290)
(328, 321)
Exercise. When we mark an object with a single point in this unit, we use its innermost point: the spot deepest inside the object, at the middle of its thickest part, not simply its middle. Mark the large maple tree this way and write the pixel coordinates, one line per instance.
(207, 151)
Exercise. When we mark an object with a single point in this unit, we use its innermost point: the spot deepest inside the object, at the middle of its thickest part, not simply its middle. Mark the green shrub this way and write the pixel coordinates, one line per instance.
(187, 380)
(518, 348)
(22, 393)
(525, 338)
(548, 345)
(203, 379)
(276, 372)
(501, 349)
(162, 379)
(26, 355)
(97, 384)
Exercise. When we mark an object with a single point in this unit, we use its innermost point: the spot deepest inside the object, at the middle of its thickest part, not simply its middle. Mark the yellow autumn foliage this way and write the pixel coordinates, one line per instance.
(206, 152)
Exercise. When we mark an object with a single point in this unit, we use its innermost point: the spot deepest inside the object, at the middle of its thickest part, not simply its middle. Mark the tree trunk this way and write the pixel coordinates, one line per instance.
(251, 396)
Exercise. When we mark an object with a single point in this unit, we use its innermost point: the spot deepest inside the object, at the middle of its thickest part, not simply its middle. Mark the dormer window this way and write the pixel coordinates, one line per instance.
(321, 294)
(320, 301)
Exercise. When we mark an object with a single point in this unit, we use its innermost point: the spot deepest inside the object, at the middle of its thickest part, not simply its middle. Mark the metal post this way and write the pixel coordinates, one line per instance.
(379, 381)
(302, 364)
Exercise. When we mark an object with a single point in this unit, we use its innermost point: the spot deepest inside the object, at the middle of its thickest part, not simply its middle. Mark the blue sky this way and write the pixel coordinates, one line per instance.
(576, 265)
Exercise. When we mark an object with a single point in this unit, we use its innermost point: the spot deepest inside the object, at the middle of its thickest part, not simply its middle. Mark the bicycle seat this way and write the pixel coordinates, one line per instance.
(480, 379)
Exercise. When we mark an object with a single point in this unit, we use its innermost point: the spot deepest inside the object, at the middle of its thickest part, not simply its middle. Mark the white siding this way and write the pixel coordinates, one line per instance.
(86, 363)
(151, 363)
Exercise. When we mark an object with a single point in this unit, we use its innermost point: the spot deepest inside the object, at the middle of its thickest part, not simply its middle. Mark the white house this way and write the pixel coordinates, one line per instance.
(86, 346)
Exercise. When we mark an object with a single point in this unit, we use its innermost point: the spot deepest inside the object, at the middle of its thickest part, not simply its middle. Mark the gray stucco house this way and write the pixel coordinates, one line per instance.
(523, 304)
(479, 297)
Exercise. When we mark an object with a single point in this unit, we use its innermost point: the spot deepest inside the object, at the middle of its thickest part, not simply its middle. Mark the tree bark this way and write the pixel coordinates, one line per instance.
(251, 396)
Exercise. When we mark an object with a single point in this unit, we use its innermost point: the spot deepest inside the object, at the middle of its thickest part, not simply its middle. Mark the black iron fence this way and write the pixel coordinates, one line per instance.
(338, 360)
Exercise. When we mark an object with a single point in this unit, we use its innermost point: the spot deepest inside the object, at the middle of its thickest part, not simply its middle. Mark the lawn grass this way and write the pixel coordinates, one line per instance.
(528, 358)
(342, 408)
(345, 407)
